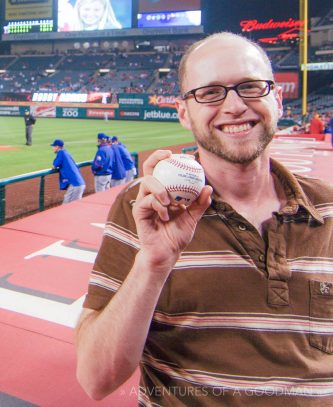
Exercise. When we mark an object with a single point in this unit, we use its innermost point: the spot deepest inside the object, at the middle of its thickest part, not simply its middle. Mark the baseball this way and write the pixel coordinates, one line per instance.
(182, 176)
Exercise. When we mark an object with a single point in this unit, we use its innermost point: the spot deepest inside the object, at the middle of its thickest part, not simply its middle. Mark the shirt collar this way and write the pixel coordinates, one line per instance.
(296, 198)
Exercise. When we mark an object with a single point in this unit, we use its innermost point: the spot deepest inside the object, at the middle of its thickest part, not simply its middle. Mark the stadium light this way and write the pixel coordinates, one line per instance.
(103, 71)
(49, 72)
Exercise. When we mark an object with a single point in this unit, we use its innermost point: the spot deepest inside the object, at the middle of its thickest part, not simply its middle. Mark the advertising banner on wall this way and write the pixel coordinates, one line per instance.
(289, 83)
(160, 114)
(101, 113)
(146, 100)
(132, 100)
(43, 111)
(128, 114)
(153, 109)
(162, 101)
(71, 112)
(91, 97)
(9, 111)
(134, 106)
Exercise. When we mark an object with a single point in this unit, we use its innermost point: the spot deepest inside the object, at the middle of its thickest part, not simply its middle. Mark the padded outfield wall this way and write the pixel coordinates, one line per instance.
(130, 106)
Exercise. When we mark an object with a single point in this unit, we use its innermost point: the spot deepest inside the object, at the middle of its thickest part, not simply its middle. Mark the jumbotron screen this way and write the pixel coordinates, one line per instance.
(147, 6)
(40, 16)
(165, 13)
(34, 16)
(92, 15)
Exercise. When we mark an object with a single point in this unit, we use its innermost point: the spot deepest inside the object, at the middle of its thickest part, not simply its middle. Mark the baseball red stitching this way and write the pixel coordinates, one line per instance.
(184, 166)
(180, 188)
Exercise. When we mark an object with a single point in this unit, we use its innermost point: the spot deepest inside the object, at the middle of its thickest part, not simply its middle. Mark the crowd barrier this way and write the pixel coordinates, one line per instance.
(33, 192)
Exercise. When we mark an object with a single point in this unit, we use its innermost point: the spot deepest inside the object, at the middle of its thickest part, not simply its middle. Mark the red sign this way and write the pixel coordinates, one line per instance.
(102, 113)
(289, 84)
(44, 111)
(255, 25)
(291, 29)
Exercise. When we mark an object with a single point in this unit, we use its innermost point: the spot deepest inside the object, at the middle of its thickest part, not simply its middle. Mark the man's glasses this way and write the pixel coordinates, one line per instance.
(215, 93)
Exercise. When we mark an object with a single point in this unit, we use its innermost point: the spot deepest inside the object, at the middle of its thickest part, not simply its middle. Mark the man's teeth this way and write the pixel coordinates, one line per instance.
(236, 128)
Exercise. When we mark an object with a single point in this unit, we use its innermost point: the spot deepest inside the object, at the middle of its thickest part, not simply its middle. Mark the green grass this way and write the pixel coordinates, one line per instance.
(80, 140)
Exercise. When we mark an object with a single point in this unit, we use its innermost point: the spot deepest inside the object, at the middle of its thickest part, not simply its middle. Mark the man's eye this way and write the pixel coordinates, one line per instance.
(210, 92)
(249, 86)
(252, 87)
(214, 91)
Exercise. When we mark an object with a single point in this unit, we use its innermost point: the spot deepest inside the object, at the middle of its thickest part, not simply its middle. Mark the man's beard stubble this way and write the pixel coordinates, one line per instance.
(214, 144)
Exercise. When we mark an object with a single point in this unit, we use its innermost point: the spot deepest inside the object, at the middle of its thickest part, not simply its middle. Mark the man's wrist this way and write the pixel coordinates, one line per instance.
(156, 270)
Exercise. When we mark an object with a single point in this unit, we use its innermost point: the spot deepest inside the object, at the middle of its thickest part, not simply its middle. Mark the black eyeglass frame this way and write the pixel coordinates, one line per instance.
(270, 85)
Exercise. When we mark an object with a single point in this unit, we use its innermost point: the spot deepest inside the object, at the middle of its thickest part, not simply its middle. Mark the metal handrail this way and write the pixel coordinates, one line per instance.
(35, 174)
(38, 174)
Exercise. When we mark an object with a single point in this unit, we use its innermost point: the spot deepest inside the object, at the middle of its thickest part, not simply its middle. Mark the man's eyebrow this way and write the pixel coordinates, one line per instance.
(219, 83)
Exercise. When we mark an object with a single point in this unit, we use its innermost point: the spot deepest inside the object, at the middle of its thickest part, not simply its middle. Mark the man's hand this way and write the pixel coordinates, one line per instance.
(164, 229)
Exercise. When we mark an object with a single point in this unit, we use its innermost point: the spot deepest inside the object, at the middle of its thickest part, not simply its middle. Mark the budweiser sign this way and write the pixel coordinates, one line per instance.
(255, 25)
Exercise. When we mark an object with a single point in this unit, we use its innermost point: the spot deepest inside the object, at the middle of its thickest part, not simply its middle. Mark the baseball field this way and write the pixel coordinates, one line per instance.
(79, 136)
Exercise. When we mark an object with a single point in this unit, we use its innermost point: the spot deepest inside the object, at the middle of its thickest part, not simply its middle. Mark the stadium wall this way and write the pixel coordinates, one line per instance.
(134, 106)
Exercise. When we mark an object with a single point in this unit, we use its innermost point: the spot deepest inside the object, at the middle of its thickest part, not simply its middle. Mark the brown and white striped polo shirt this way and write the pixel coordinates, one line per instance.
(241, 320)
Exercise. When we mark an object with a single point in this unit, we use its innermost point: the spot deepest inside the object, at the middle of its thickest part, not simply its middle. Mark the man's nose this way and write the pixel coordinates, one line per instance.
(233, 103)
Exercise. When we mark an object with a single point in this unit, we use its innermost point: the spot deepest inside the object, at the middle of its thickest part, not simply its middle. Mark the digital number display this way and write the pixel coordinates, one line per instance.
(28, 26)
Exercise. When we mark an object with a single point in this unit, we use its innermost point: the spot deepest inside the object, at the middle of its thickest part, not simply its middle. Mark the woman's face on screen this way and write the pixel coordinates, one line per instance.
(91, 13)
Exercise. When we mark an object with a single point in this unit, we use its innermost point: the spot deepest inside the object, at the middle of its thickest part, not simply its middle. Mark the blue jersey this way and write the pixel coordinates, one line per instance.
(69, 173)
(126, 157)
(118, 168)
(102, 164)
(330, 123)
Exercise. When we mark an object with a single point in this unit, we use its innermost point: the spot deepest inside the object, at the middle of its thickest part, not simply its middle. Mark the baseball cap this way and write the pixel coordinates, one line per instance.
(114, 138)
(58, 143)
(102, 136)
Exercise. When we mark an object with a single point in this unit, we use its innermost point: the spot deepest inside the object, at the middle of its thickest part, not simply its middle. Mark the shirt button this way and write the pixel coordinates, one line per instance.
(261, 257)
(241, 226)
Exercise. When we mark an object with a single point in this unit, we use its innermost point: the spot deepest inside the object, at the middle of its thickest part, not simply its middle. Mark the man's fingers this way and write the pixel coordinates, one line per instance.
(150, 185)
(153, 159)
(198, 207)
(143, 208)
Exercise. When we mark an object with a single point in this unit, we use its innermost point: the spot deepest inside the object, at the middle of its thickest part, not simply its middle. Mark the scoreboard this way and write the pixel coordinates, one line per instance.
(28, 26)
(23, 18)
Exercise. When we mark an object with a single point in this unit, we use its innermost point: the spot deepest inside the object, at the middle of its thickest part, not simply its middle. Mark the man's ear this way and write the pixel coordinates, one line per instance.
(183, 114)
(279, 99)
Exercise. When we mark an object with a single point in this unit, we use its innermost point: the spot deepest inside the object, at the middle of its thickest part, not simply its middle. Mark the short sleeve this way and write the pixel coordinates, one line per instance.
(116, 255)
